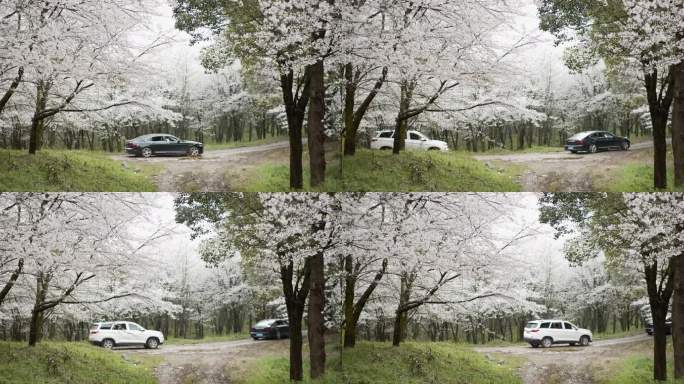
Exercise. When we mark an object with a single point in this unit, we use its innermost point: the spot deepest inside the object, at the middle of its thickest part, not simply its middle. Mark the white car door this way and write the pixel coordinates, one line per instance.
(120, 333)
(136, 333)
(413, 141)
(556, 331)
(571, 333)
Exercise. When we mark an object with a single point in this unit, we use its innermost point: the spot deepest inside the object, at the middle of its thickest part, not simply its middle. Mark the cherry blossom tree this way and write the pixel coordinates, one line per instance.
(642, 231)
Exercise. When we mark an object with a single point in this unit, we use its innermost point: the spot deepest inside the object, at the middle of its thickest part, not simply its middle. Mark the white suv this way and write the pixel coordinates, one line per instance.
(549, 332)
(122, 333)
(414, 141)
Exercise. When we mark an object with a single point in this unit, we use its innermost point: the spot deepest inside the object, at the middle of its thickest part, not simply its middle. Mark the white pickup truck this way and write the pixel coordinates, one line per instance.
(124, 333)
(415, 141)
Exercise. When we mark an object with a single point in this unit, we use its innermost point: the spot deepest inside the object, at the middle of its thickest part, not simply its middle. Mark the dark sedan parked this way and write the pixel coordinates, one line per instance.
(595, 141)
(270, 329)
(163, 144)
(668, 327)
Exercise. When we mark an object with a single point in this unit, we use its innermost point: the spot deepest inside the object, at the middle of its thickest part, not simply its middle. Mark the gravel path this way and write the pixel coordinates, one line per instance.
(564, 171)
(566, 365)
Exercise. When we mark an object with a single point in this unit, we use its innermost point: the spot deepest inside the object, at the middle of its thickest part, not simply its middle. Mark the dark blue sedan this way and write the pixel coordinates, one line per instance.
(162, 144)
(594, 141)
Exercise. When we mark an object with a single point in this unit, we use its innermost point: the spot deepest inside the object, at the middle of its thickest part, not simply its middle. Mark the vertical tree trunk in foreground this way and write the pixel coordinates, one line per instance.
(659, 104)
(295, 298)
(659, 295)
(295, 107)
(315, 316)
(678, 124)
(38, 122)
(316, 124)
(678, 316)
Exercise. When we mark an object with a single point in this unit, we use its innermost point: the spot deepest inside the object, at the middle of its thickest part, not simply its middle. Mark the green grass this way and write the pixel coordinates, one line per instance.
(381, 171)
(63, 170)
(240, 144)
(637, 370)
(507, 151)
(638, 178)
(208, 339)
(380, 363)
(57, 363)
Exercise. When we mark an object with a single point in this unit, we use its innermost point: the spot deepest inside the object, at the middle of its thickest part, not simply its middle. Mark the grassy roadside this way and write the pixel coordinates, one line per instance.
(208, 339)
(380, 363)
(619, 334)
(66, 363)
(380, 171)
(636, 368)
(64, 170)
(637, 176)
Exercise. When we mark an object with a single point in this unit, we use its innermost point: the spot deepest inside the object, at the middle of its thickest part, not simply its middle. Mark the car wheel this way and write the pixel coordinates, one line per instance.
(385, 148)
(193, 152)
(277, 335)
(625, 146)
(434, 149)
(146, 152)
(107, 343)
(574, 152)
(584, 341)
(547, 342)
(152, 343)
(534, 345)
(593, 148)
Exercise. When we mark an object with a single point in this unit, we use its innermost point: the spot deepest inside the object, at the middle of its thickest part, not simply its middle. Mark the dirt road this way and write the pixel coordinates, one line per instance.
(208, 363)
(216, 171)
(567, 365)
(564, 171)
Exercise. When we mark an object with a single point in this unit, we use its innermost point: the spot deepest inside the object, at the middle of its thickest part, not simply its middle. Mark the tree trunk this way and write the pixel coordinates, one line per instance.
(316, 126)
(349, 290)
(13, 87)
(659, 299)
(349, 102)
(659, 106)
(296, 341)
(316, 318)
(401, 123)
(37, 122)
(678, 124)
(36, 326)
(295, 107)
(678, 316)
(13, 278)
(401, 315)
(295, 298)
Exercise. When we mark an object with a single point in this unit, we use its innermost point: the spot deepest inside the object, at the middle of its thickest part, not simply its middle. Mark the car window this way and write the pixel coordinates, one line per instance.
(171, 139)
(532, 324)
(94, 327)
(264, 323)
(544, 325)
(158, 138)
(386, 135)
(414, 136)
(578, 136)
(119, 327)
(556, 326)
(608, 135)
(568, 326)
(106, 326)
(134, 327)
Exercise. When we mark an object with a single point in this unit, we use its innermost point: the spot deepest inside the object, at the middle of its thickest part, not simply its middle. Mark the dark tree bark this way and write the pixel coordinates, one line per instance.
(316, 134)
(678, 124)
(12, 280)
(352, 119)
(659, 296)
(295, 293)
(13, 87)
(316, 328)
(659, 102)
(678, 316)
(352, 311)
(37, 121)
(295, 106)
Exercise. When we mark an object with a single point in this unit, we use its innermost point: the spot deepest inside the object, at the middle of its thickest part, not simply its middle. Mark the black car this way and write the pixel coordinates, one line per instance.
(595, 141)
(270, 329)
(163, 144)
(668, 327)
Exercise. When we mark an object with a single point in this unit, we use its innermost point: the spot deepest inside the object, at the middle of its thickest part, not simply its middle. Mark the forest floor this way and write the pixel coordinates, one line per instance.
(216, 171)
(208, 363)
(567, 172)
(563, 364)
